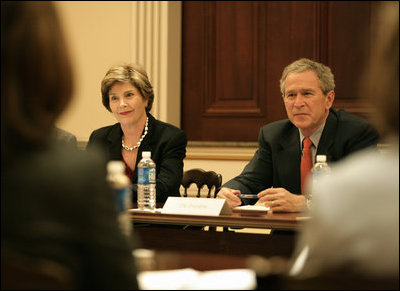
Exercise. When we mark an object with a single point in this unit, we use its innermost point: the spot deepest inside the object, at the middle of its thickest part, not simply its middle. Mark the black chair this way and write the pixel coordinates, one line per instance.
(19, 272)
(201, 178)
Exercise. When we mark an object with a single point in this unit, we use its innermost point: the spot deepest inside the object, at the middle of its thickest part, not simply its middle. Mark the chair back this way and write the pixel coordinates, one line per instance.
(201, 177)
(22, 273)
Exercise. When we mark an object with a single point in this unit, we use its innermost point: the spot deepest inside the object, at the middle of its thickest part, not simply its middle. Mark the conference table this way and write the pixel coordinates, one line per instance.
(178, 232)
(282, 221)
(179, 241)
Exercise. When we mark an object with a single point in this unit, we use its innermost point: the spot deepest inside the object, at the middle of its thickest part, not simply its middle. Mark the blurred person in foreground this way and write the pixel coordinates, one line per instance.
(55, 202)
(355, 211)
(276, 173)
(128, 94)
(65, 137)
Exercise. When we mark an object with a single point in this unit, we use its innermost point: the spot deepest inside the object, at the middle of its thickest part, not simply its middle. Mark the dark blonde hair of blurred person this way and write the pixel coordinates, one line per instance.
(36, 79)
(55, 202)
(133, 74)
(380, 83)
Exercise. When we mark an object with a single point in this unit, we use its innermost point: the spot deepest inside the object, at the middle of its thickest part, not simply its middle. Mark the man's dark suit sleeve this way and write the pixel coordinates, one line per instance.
(366, 136)
(257, 175)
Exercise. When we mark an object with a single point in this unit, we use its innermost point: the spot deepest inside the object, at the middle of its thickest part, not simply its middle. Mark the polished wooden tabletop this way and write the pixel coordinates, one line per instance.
(284, 221)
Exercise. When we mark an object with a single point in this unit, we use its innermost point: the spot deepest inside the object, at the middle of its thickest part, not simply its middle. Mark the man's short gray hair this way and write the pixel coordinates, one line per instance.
(324, 73)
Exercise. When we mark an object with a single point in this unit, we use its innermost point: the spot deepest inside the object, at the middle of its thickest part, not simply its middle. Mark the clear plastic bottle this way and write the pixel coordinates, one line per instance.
(121, 184)
(146, 193)
(320, 168)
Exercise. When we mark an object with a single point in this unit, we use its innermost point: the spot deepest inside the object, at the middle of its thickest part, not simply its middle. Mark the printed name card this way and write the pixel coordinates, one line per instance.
(196, 206)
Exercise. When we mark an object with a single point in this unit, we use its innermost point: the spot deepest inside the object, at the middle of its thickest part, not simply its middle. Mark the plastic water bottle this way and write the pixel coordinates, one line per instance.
(146, 193)
(320, 168)
(121, 184)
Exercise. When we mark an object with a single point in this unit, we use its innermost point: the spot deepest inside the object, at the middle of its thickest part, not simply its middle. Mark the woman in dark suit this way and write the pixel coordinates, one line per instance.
(128, 94)
(55, 202)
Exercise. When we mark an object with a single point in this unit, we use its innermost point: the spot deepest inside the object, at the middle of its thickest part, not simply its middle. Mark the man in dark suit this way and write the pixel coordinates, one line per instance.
(274, 172)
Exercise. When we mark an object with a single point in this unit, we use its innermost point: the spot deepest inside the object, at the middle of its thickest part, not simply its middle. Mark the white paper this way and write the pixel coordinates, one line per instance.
(156, 210)
(167, 280)
(253, 207)
(190, 279)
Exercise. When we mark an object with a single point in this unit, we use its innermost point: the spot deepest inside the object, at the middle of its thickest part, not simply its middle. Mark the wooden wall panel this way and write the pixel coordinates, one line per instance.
(349, 36)
(236, 85)
(234, 53)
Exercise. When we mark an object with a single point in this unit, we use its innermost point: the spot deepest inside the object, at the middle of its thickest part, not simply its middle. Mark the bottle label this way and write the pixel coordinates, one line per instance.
(146, 175)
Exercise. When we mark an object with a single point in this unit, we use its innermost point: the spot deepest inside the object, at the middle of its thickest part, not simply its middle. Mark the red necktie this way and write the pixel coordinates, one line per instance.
(306, 162)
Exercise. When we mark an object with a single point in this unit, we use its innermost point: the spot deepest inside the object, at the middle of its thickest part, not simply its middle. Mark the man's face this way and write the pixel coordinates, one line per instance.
(306, 105)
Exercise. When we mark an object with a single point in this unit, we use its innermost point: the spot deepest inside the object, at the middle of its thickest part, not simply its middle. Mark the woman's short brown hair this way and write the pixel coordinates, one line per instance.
(133, 74)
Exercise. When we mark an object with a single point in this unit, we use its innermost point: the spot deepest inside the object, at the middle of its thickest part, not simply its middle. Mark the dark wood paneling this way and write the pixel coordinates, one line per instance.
(238, 84)
(234, 53)
(349, 31)
(223, 69)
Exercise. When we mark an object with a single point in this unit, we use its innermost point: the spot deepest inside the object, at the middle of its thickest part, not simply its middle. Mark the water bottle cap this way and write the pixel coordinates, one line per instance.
(146, 154)
(321, 158)
(115, 167)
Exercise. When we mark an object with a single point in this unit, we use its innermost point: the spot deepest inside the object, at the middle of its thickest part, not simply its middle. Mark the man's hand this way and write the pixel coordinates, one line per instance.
(231, 196)
(281, 200)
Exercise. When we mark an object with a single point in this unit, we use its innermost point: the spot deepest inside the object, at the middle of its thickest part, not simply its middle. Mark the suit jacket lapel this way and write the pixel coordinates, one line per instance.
(114, 139)
(147, 141)
(288, 161)
(328, 135)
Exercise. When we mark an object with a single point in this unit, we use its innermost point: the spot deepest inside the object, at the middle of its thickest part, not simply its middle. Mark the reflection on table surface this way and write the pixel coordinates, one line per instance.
(151, 260)
(270, 273)
(182, 270)
(175, 238)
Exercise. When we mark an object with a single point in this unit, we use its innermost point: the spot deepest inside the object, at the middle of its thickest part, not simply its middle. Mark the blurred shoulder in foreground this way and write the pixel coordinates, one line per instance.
(65, 137)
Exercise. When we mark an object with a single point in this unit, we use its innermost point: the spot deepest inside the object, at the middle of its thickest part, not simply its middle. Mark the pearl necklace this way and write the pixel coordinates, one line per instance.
(139, 142)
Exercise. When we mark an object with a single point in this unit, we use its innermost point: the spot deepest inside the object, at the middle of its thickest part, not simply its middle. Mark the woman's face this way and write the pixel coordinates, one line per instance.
(126, 103)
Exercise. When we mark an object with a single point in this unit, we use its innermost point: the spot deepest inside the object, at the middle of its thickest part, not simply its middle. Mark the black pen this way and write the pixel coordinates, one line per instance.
(253, 196)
